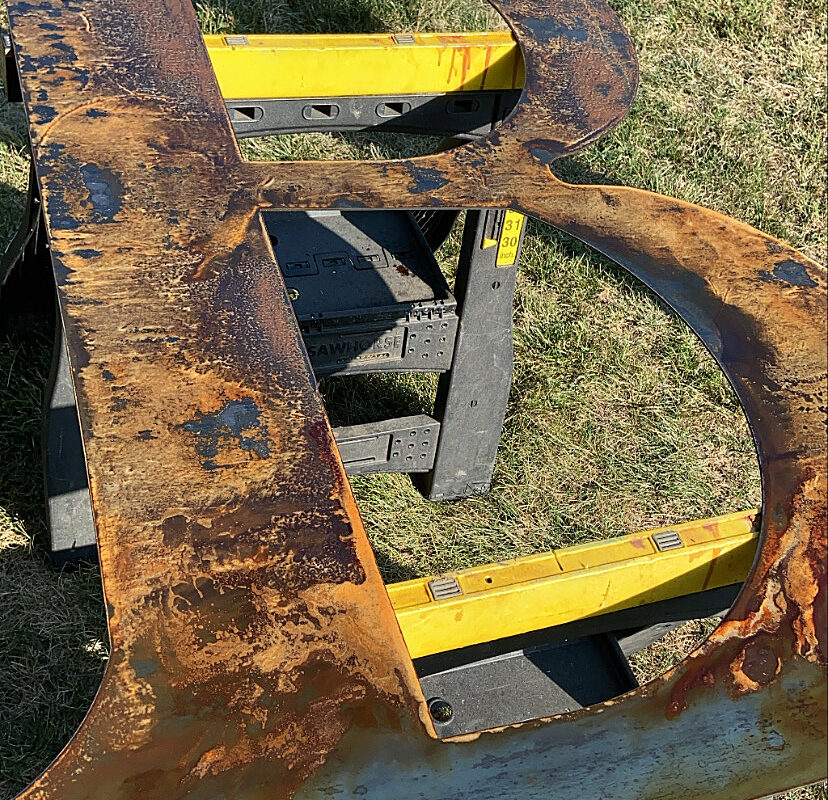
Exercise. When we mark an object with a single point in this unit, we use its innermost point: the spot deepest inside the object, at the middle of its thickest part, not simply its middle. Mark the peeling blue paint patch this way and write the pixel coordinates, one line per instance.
(542, 154)
(81, 76)
(107, 375)
(426, 179)
(66, 50)
(545, 150)
(62, 221)
(105, 192)
(775, 740)
(45, 113)
(547, 29)
(621, 40)
(237, 423)
(791, 272)
(52, 152)
(144, 667)
(25, 7)
(348, 202)
(61, 216)
(45, 64)
(87, 252)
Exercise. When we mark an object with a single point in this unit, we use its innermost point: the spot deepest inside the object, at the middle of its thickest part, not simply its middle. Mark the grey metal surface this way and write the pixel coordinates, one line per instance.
(620, 751)
(69, 510)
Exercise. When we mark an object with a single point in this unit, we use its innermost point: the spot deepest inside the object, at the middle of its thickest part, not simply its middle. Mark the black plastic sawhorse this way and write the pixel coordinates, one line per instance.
(368, 317)
(450, 452)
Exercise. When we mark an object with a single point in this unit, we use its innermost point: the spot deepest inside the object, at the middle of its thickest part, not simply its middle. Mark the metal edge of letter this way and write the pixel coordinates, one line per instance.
(254, 650)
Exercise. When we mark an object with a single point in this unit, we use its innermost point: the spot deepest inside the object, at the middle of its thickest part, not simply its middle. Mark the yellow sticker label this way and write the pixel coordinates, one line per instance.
(509, 239)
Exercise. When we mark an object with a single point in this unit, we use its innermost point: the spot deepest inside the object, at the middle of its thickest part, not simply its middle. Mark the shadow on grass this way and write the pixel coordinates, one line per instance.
(25, 360)
(12, 204)
(329, 16)
(394, 571)
(52, 625)
(573, 170)
(53, 645)
(351, 400)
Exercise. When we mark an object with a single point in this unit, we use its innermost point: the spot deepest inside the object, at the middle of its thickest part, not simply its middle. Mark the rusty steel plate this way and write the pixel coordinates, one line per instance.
(255, 653)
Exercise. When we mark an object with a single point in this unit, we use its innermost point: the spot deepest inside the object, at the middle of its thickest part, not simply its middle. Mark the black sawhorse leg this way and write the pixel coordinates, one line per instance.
(472, 395)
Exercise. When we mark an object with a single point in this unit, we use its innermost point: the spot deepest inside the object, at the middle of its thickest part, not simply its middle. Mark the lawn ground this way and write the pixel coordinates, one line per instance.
(618, 418)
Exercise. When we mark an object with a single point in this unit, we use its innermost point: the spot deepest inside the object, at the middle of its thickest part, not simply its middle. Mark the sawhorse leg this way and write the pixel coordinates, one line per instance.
(472, 396)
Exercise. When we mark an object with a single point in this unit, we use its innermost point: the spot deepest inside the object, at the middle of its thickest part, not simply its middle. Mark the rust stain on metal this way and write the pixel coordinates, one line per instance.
(254, 650)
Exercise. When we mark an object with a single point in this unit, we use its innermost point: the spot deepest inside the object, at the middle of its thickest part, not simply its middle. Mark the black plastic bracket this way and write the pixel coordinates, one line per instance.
(467, 114)
(27, 286)
(366, 289)
(527, 684)
(406, 444)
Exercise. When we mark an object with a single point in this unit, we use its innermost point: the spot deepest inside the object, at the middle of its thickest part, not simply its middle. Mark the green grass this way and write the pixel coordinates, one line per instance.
(618, 418)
